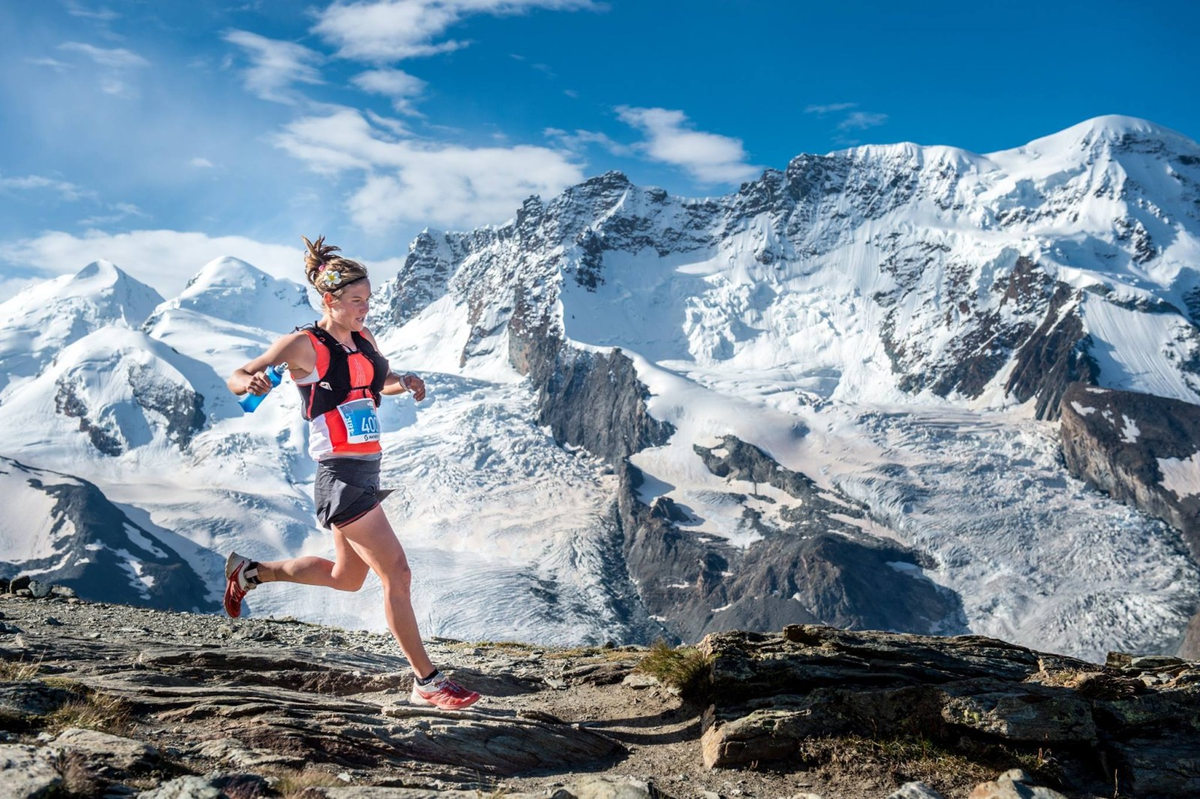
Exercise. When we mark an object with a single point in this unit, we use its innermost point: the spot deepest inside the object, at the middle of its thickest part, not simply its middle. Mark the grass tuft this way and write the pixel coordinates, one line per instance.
(18, 670)
(684, 668)
(92, 710)
(301, 783)
(904, 759)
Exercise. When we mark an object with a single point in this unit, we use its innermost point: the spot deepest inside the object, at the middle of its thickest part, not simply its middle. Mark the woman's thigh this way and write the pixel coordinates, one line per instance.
(372, 539)
(347, 563)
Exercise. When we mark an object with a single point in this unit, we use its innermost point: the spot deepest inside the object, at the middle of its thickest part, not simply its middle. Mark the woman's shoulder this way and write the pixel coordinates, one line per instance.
(298, 342)
(370, 337)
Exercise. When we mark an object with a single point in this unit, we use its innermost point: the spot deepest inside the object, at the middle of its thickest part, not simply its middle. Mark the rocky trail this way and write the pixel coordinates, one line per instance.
(114, 701)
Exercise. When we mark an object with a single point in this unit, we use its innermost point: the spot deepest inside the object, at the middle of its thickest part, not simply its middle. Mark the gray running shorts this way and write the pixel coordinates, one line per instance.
(346, 490)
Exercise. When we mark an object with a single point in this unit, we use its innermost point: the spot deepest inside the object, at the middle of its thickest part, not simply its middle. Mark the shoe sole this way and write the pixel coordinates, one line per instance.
(230, 563)
(421, 701)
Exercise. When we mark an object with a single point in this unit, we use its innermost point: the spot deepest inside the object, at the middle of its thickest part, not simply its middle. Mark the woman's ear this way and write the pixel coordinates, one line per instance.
(327, 299)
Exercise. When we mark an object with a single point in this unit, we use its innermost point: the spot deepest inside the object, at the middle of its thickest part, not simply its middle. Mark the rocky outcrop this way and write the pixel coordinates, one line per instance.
(1141, 449)
(1130, 723)
(816, 567)
(109, 700)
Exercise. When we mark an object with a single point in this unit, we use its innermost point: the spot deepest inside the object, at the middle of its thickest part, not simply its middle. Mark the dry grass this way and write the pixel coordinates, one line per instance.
(92, 710)
(78, 778)
(904, 759)
(301, 783)
(684, 668)
(18, 670)
(943, 766)
(517, 646)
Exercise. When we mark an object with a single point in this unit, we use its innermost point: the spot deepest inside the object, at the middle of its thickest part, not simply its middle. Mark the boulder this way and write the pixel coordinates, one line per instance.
(915, 790)
(184, 788)
(1137, 713)
(28, 772)
(108, 755)
(1014, 784)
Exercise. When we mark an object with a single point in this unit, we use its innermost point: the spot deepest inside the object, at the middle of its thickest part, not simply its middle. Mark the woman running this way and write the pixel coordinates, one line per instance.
(341, 375)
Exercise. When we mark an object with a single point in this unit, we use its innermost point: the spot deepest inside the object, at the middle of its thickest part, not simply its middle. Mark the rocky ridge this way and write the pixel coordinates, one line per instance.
(114, 701)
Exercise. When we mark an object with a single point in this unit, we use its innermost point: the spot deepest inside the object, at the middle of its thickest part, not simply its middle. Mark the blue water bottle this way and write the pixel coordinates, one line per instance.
(251, 401)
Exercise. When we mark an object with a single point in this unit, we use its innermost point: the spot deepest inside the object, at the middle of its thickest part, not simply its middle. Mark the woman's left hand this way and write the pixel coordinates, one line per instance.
(414, 384)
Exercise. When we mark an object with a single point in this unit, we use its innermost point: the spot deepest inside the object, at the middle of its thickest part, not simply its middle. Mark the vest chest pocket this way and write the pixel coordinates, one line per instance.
(362, 423)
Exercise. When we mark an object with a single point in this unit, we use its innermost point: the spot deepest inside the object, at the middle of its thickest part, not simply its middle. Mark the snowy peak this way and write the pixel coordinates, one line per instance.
(99, 291)
(40, 321)
(1107, 133)
(889, 271)
(232, 290)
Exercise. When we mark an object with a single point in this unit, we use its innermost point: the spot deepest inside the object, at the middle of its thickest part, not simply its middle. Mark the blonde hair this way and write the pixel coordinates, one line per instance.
(329, 273)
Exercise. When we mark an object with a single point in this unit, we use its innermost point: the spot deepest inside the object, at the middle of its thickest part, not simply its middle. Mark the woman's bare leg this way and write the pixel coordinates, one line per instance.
(372, 538)
(345, 572)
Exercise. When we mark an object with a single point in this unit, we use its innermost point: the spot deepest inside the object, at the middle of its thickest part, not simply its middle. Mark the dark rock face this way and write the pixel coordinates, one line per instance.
(1054, 357)
(817, 569)
(1131, 722)
(180, 409)
(1034, 323)
(422, 279)
(1190, 648)
(1123, 442)
(99, 553)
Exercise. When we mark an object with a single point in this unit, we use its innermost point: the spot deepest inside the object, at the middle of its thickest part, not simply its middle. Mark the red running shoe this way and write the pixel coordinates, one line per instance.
(237, 583)
(443, 693)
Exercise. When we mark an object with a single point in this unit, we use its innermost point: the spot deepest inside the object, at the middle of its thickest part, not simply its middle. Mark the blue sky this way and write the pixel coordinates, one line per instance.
(160, 135)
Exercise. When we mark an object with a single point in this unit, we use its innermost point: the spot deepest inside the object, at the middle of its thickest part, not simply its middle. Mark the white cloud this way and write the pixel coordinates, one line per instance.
(397, 84)
(102, 15)
(68, 191)
(165, 259)
(386, 31)
(201, 163)
(861, 120)
(581, 139)
(110, 84)
(832, 108)
(411, 180)
(707, 157)
(276, 65)
(53, 63)
(121, 211)
(118, 58)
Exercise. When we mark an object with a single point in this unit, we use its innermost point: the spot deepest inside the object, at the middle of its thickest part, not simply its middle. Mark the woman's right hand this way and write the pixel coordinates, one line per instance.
(242, 382)
(259, 383)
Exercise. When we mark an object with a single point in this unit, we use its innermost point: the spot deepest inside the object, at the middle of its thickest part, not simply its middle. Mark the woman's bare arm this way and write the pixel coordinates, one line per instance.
(295, 349)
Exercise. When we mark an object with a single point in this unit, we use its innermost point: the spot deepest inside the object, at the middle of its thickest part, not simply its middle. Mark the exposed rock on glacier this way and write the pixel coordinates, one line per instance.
(1141, 449)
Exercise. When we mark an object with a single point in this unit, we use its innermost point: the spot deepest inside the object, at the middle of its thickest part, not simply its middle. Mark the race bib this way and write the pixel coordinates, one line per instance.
(362, 425)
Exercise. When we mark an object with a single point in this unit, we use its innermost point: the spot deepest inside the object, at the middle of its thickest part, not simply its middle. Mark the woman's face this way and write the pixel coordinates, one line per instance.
(350, 309)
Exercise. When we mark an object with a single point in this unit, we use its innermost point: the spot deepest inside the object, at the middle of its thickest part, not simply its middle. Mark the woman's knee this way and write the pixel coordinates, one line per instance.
(349, 579)
(397, 576)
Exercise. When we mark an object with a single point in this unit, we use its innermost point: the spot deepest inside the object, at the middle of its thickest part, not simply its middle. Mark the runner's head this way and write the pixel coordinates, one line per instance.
(344, 286)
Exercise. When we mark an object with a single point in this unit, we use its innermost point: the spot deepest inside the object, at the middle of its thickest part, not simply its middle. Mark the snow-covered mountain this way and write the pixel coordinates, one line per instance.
(825, 397)
(38, 322)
